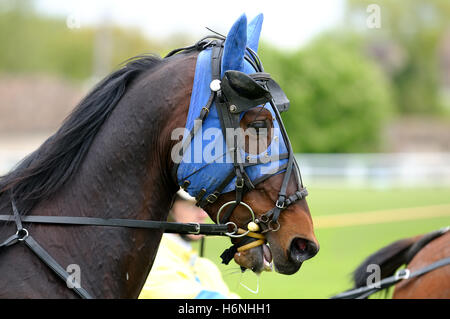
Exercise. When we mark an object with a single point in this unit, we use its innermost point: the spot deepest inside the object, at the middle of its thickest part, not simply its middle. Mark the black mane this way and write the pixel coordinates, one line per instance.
(48, 168)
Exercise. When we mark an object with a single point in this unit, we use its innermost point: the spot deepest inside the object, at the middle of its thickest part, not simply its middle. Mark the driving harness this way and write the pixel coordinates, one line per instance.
(230, 104)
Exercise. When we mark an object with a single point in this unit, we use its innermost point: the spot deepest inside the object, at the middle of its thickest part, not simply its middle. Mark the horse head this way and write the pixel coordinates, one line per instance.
(235, 158)
(109, 165)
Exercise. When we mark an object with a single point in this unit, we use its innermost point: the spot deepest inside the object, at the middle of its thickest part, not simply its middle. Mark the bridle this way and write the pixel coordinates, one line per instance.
(230, 105)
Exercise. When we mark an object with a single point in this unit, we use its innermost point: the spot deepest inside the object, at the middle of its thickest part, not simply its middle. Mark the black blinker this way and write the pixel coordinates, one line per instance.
(279, 97)
(245, 86)
(243, 92)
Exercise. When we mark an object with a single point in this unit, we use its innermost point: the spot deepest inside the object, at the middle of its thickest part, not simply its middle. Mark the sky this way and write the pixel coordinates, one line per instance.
(287, 23)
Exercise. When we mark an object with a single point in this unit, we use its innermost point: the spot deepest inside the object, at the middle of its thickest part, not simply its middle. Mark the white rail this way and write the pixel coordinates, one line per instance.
(344, 170)
(381, 170)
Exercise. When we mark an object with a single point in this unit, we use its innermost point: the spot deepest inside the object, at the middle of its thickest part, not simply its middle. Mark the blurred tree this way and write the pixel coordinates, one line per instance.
(339, 98)
(36, 43)
(410, 35)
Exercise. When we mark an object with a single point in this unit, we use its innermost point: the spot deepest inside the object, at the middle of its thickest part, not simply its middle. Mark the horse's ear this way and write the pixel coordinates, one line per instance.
(235, 45)
(254, 31)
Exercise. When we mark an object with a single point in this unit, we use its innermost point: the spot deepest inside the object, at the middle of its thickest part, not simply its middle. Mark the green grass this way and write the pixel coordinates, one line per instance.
(342, 249)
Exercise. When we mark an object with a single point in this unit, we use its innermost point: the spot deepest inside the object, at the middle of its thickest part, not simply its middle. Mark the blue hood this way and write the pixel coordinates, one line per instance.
(206, 163)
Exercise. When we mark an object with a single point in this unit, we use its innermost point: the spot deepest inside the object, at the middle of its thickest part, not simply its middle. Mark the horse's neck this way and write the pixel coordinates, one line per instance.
(124, 175)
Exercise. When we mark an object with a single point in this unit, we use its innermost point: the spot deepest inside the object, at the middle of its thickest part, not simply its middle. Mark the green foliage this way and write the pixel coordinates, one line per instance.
(339, 99)
(33, 43)
(416, 29)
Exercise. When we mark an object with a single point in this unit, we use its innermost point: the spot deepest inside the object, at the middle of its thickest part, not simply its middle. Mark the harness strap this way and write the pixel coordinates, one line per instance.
(10, 241)
(199, 46)
(168, 227)
(23, 235)
(228, 254)
(204, 112)
(21, 232)
(298, 195)
(228, 120)
(239, 194)
(53, 264)
(211, 198)
(17, 218)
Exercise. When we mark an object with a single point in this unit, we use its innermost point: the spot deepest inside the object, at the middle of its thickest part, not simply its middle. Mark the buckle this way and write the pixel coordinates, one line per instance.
(402, 274)
(241, 183)
(278, 205)
(211, 198)
(197, 229)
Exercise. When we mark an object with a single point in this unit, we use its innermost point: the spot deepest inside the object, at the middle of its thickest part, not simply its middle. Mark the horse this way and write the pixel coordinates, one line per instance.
(112, 158)
(427, 272)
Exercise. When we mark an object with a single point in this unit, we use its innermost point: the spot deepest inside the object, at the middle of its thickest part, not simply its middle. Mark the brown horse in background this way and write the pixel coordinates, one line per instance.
(416, 253)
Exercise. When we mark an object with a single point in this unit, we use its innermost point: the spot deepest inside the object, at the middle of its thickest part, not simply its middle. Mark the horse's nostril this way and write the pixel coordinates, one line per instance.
(302, 249)
(301, 244)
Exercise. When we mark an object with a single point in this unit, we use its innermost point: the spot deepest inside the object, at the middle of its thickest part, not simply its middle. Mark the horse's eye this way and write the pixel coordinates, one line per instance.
(260, 126)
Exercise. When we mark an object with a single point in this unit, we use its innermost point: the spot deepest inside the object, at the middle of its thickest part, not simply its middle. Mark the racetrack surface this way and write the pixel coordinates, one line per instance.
(350, 224)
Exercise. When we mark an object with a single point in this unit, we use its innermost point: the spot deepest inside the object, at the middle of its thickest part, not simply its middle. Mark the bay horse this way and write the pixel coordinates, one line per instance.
(112, 158)
(418, 253)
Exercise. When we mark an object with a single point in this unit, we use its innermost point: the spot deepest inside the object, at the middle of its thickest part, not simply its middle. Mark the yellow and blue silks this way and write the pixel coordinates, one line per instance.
(179, 273)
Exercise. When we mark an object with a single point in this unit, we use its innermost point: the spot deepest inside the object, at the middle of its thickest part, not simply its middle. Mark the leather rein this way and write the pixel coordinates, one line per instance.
(22, 235)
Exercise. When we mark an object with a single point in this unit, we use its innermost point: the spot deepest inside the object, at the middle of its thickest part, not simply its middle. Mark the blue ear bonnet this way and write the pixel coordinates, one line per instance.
(206, 163)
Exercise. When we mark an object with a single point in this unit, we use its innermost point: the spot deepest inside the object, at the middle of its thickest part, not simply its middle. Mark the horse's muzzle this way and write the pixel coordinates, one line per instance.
(302, 249)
